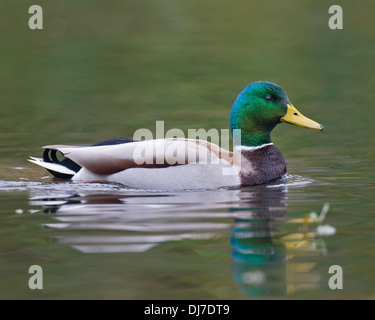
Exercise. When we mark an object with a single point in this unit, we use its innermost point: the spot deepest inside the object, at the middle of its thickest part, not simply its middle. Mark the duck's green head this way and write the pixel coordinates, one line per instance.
(259, 108)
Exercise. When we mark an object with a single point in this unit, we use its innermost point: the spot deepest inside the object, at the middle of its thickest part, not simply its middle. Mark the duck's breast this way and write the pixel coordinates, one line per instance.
(261, 164)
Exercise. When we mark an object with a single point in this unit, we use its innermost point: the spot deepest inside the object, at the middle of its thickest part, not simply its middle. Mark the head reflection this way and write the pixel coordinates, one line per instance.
(268, 261)
(258, 255)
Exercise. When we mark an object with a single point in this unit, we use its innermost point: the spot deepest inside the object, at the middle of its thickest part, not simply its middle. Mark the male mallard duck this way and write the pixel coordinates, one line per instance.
(189, 163)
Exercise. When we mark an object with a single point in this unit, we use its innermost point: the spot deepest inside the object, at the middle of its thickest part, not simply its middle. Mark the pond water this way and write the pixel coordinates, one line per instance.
(100, 70)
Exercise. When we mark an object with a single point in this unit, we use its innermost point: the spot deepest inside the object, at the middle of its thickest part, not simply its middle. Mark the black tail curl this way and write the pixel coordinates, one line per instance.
(49, 155)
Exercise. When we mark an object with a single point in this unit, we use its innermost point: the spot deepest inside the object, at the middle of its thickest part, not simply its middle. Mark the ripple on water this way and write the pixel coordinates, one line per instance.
(169, 216)
(101, 218)
(36, 187)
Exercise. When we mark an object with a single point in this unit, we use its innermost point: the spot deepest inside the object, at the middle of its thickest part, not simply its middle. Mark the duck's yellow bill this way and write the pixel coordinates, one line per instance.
(293, 116)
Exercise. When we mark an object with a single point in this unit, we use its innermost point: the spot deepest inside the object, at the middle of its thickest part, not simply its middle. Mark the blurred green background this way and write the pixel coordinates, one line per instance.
(102, 69)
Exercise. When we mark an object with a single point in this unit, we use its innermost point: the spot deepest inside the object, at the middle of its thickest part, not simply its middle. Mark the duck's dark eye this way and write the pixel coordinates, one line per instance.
(268, 98)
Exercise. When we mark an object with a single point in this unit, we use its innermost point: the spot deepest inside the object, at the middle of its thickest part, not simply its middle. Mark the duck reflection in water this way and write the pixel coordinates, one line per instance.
(266, 261)
(270, 256)
(259, 257)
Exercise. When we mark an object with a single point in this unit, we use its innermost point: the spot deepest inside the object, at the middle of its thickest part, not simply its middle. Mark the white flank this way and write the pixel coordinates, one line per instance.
(190, 176)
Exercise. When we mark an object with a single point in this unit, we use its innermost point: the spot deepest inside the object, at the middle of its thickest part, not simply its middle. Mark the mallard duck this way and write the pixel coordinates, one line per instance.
(190, 163)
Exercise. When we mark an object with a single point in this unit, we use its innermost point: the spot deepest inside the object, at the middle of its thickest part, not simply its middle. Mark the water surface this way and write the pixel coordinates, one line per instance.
(100, 70)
